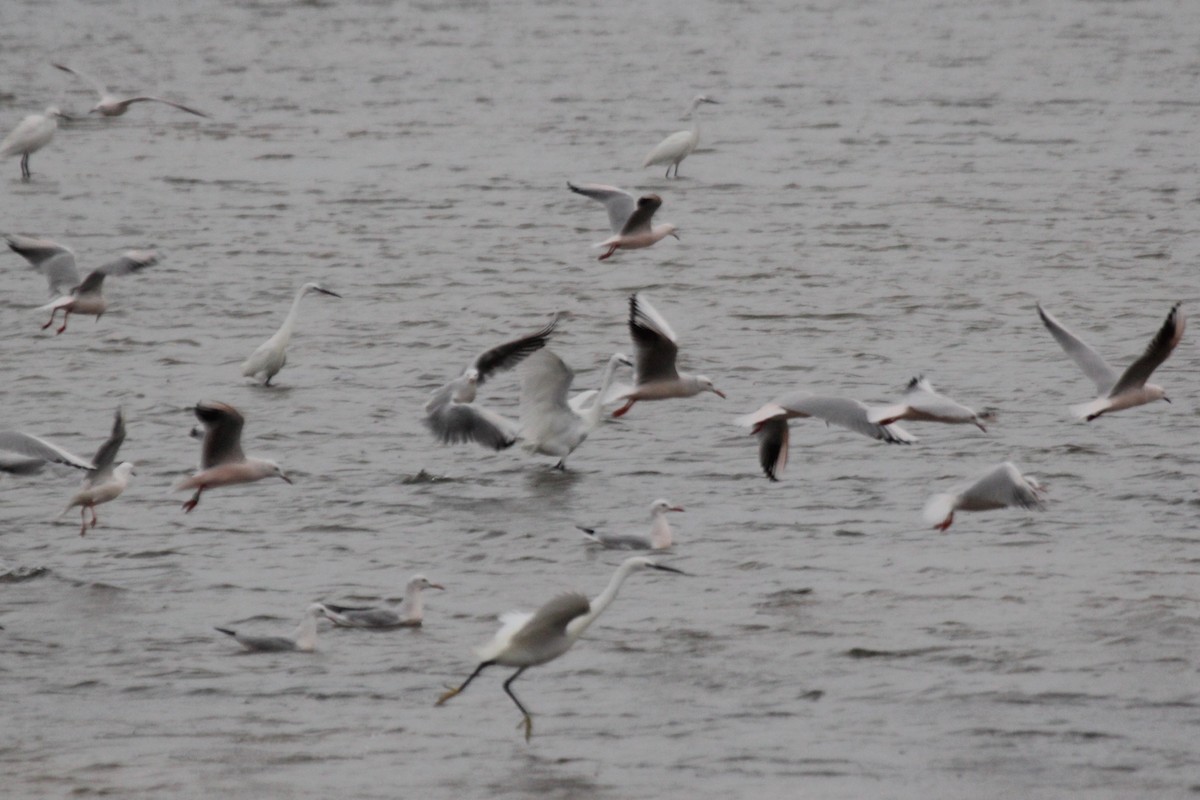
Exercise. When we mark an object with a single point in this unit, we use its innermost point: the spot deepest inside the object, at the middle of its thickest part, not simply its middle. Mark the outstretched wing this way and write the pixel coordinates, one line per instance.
(509, 354)
(222, 433)
(181, 107)
(35, 447)
(654, 340)
(107, 454)
(639, 221)
(1088, 359)
(53, 260)
(99, 87)
(1157, 351)
(619, 204)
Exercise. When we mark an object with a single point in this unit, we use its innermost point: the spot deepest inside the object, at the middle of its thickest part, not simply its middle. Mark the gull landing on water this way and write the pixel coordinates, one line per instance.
(1130, 388)
(660, 537)
(629, 218)
(923, 404)
(222, 462)
(109, 105)
(1001, 487)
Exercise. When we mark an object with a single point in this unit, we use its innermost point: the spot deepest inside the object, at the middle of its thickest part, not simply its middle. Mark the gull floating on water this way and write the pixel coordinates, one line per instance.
(304, 639)
(369, 617)
(923, 404)
(222, 462)
(550, 423)
(655, 372)
(110, 105)
(1001, 487)
(526, 640)
(770, 425)
(660, 531)
(679, 145)
(271, 355)
(451, 412)
(629, 218)
(1128, 389)
(88, 296)
(31, 134)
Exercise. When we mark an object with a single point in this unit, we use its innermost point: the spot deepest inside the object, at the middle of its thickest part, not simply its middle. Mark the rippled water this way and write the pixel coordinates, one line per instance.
(885, 190)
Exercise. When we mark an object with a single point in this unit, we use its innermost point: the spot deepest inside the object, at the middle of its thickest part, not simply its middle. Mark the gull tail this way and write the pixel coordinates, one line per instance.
(939, 511)
(1090, 411)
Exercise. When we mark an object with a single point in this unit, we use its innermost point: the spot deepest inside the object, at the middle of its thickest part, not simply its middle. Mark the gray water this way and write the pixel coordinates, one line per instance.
(886, 189)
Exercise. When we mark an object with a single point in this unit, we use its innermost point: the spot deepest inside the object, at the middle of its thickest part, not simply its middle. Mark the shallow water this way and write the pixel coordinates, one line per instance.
(885, 190)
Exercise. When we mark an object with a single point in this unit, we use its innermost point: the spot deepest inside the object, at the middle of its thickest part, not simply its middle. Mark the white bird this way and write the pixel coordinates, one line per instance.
(88, 296)
(271, 355)
(303, 639)
(110, 105)
(24, 454)
(923, 404)
(451, 412)
(526, 640)
(593, 400)
(679, 145)
(1128, 389)
(370, 617)
(99, 491)
(55, 261)
(655, 372)
(660, 537)
(222, 462)
(31, 134)
(629, 219)
(770, 424)
(1001, 487)
(550, 423)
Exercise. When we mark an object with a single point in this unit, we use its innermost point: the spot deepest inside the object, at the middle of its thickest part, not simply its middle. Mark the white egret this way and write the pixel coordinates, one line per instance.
(31, 134)
(271, 355)
(1001, 487)
(660, 537)
(770, 424)
(1128, 389)
(629, 219)
(372, 617)
(526, 640)
(109, 105)
(88, 296)
(303, 639)
(923, 404)
(656, 375)
(222, 462)
(679, 145)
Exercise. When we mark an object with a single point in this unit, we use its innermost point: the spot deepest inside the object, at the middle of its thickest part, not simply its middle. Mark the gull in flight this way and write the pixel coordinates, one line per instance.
(679, 145)
(110, 105)
(527, 640)
(53, 260)
(629, 218)
(104, 482)
(371, 617)
(222, 462)
(271, 355)
(657, 346)
(304, 639)
(31, 134)
(452, 413)
(1002, 486)
(88, 297)
(924, 404)
(660, 531)
(770, 425)
(1128, 389)
(552, 424)
(25, 454)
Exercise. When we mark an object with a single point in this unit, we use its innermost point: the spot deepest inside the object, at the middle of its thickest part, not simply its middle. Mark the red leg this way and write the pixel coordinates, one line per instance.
(944, 524)
(53, 311)
(95, 519)
(66, 313)
(195, 501)
(612, 249)
(83, 520)
(620, 412)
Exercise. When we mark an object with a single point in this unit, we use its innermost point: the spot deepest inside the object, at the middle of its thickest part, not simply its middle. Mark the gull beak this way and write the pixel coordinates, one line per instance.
(676, 235)
(665, 568)
(285, 477)
(675, 508)
(1166, 398)
(437, 586)
(718, 393)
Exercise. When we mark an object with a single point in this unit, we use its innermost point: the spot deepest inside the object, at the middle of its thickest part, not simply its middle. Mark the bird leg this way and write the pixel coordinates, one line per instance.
(53, 312)
(561, 466)
(195, 501)
(527, 721)
(83, 520)
(25, 173)
(944, 524)
(668, 171)
(66, 313)
(95, 519)
(623, 410)
(447, 695)
(611, 249)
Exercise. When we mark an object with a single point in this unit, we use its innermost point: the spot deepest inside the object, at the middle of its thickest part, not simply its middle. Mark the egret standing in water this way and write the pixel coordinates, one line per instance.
(31, 134)
(271, 355)
(679, 145)
(526, 640)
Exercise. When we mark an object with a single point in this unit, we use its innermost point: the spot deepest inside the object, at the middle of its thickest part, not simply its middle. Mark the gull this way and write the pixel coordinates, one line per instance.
(679, 145)
(657, 346)
(550, 423)
(31, 134)
(304, 639)
(359, 617)
(923, 404)
(451, 412)
(527, 640)
(629, 218)
(100, 491)
(222, 462)
(271, 355)
(53, 260)
(1002, 486)
(660, 531)
(24, 454)
(1128, 389)
(770, 424)
(87, 297)
(112, 106)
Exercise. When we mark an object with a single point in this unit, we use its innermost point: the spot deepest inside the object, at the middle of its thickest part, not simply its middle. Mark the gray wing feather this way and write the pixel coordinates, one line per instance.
(639, 220)
(129, 261)
(1003, 486)
(1157, 351)
(845, 413)
(1088, 359)
(56, 263)
(107, 454)
(509, 354)
(454, 422)
(655, 343)
(619, 204)
(222, 434)
(550, 621)
(34, 447)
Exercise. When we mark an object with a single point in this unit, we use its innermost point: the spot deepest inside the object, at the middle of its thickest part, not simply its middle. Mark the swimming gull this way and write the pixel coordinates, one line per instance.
(629, 218)
(660, 536)
(88, 296)
(374, 617)
(303, 639)
(1002, 486)
(922, 403)
(271, 355)
(31, 134)
(679, 145)
(1128, 389)
(109, 105)
(222, 462)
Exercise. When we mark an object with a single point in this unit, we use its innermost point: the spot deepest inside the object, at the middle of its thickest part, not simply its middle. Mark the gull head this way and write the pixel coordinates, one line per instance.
(124, 470)
(706, 385)
(662, 506)
(270, 469)
(1156, 392)
(665, 230)
(421, 582)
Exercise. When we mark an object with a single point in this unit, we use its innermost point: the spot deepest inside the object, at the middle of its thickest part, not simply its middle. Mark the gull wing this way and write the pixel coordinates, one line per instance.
(222, 434)
(845, 413)
(1088, 359)
(35, 447)
(639, 221)
(509, 354)
(53, 260)
(1157, 351)
(107, 454)
(619, 204)
(99, 87)
(453, 423)
(180, 106)
(1004, 486)
(654, 340)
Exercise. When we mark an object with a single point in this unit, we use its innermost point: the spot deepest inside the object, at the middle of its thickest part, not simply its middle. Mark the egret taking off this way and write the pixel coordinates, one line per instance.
(31, 134)
(526, 640)
(271, 355)
(679, 145)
